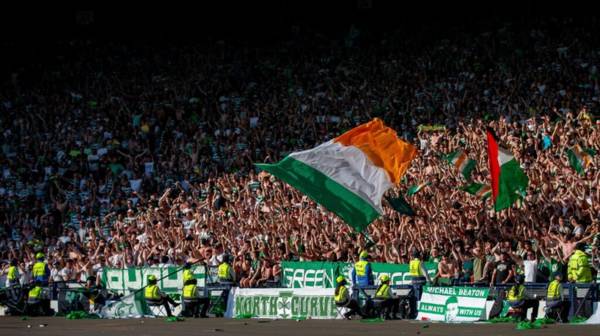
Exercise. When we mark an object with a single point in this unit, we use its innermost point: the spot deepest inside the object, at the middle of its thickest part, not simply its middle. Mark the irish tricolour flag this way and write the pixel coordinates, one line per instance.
(349, 174)
(509, 182)
(461, 163)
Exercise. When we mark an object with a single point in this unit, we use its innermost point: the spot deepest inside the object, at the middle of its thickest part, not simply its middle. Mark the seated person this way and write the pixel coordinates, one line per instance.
(342, 298)
(192, 299)
(35, 306)
(554, 298)
(154, 296)
(517, 298)
(92, 293)
(385, 296)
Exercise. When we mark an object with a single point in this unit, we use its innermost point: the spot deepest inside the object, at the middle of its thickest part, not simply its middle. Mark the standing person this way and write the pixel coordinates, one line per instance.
(555, 298)
(193, 300)
(187, 273)
(388, 301)
(362, 274)
(517, 298)
(153, 295)
(504, 271)
(227, 278)
(342, 298)
(40, 269)
(579, 269)
(12, 274)
(419, 277)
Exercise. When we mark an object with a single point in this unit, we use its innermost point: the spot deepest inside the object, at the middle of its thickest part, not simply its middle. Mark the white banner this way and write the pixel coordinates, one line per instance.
(282, 303)
(453, 304)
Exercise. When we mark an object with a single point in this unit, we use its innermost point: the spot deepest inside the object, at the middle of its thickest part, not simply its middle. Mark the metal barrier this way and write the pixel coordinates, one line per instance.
(573, 292)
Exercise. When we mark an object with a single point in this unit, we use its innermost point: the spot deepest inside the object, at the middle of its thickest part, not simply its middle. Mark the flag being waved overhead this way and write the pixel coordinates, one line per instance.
(462, 163)
(579, 159)
(349, 174)
(480, 190)
(509, 182)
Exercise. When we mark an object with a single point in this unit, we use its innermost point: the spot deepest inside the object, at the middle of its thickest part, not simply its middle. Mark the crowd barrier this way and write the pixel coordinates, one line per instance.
(308, 283)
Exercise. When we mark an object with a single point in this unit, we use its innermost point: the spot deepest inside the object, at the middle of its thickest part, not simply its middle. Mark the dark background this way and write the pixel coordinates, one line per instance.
(34, 32)
(261, 20)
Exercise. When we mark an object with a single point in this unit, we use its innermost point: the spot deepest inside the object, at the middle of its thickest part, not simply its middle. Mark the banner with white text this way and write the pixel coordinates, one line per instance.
(453, 304)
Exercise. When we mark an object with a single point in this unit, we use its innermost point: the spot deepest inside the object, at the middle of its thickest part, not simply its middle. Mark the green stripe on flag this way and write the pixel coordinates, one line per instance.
(354, 210)
(575, 161)
(512, 186)
(399, 204)
(468, 170)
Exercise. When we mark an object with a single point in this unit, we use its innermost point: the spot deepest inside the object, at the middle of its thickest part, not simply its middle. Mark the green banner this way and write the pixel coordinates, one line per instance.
(122, 280)
(322, 274)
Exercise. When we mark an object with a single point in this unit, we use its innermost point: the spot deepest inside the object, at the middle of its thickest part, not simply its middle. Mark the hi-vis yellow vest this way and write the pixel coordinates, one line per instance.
(187, 275)
(554, 290)
(151, 292)
(383, 292)
(35, 292)
(342, 295)
(39, 269)
(190, 291)
(414, 268)
(361, 268)
(224, 272)
(12, 273)
(516, 293)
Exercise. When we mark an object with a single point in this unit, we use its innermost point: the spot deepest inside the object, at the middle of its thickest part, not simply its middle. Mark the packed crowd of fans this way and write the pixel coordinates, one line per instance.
(117, 156)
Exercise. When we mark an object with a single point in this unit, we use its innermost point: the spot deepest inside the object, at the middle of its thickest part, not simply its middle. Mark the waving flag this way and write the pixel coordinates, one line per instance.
(416, 188)
(579, 159)
(461, 163)
(480, 190)
(509, 182)
(349, 174)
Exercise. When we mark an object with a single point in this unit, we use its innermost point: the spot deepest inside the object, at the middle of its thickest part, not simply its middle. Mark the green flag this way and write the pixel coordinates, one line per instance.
(399, 204)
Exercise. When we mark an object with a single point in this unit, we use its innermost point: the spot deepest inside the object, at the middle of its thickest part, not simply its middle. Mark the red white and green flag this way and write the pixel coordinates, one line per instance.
(509, 182)
(579, 158)
(462, 163)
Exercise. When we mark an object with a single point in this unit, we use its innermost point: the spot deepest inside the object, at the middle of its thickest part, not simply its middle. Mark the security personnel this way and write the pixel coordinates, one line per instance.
(187, 273)
(419, 276)
(40, 269)
(225, 272)
(193, 301)
(579, 269)
(227, 279)
(34, 299)
(517, 298)
(362, 274)
(12, 275)
(385, 296)
(154, 296)
(342, 298)
(554, 298)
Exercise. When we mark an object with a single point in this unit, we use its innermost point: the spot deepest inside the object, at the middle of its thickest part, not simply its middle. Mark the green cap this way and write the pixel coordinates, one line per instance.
(340, 278)
(39, 255)
(151, 277)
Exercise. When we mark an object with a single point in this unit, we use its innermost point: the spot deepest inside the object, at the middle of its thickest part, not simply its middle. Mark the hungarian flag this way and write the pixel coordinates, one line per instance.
(509, 182)
(348, 175)
(579, 159)
(462, 163)
(482, 191)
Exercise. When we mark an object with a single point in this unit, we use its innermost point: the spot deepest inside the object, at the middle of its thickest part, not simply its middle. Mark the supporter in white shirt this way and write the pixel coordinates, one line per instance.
(530, 266)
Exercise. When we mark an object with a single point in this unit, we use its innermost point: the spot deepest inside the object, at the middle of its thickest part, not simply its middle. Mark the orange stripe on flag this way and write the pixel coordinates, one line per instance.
(382, 146)
(459, 161)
